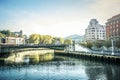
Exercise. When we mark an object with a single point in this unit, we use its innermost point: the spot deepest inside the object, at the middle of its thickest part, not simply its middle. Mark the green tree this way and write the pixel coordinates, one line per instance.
(98, 43)
(61, 40)
(34, 38)
(89, 45)
(107, 43)
(2, 35)
(58, 39)
(68, 41)
(47, 39)
(54, 40)
(118, 44)
(7, 33)
(40, 39)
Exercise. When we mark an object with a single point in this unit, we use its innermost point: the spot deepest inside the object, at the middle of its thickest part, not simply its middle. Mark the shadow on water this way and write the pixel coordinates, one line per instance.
(52, 67)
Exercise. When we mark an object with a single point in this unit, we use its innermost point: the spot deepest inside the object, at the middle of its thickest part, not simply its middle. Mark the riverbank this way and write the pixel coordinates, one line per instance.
(90, 56)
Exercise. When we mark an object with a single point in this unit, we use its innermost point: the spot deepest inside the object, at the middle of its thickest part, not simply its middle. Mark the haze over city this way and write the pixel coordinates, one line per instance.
(55, 17)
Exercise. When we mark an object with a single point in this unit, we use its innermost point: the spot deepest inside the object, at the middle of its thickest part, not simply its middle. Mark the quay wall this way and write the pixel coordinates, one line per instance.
(90, 56)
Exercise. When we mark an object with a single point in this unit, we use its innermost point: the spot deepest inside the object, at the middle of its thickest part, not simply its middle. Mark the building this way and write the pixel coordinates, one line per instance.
(95, 31)
(20, 34)
(113, 28)
(14, 40)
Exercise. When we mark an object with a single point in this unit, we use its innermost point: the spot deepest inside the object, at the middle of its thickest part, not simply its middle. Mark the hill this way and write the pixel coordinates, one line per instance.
(75, 37)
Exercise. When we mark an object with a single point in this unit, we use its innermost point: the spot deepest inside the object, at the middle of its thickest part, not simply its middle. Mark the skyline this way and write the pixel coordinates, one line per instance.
(58, 18)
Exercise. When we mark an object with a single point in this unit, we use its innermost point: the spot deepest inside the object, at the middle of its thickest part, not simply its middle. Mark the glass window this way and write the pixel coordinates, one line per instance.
(117, 21)
(117, 25)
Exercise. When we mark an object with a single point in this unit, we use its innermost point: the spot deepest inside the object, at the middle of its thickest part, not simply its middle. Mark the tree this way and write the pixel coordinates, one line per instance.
(54, 40)
(50, 38)
(57, 40)
(34, 38)
(40, 39)
(68, 41)
(107, 44)
(7, 33)
(47, 39)
(2, 35)
(61, 40)
(118, 44)
(89, 45)
(99, 43)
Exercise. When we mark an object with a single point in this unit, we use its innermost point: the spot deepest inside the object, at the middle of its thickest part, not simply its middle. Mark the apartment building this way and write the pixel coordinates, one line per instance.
(95, 31)
(113, 28)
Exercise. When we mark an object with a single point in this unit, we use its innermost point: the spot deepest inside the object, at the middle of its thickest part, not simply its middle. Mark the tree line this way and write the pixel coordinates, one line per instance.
(37, 38)
(47, 39)
(6, 33)
(99, 44)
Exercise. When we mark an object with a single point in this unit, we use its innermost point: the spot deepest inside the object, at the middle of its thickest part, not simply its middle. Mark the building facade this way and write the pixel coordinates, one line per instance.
(113, 28)
(95, 31)
(14, 40)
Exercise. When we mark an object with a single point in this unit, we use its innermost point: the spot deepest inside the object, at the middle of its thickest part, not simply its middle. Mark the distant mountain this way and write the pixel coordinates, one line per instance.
(75, 37)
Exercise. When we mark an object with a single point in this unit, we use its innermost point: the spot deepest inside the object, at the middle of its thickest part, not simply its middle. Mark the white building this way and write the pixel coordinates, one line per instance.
(14, 40)
(95, 31)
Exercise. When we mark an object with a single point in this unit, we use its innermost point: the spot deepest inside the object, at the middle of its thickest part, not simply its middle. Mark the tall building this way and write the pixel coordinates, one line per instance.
(95, 31)
(113, 28)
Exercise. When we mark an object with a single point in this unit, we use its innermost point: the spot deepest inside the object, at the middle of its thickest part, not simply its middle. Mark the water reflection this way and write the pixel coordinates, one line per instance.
(29, 57)
(59, 68)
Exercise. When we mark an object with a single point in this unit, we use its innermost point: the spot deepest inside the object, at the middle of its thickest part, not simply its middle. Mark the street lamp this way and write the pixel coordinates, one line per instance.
(112, 47)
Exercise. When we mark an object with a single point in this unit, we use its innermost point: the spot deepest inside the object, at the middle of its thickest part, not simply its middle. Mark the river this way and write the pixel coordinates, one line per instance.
(56, 68)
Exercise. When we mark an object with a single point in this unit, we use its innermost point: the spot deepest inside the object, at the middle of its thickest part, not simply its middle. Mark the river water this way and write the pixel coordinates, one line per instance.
(56, 68)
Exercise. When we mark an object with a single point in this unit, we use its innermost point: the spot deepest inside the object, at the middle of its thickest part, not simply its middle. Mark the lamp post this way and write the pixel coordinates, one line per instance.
(112, 47)
(0, 48)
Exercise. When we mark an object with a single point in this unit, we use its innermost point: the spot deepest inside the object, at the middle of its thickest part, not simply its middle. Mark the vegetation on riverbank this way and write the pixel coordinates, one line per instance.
(47, 39)
(99, 44)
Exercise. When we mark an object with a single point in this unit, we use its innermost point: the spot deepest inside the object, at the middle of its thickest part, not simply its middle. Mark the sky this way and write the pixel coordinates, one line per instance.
(58, 18)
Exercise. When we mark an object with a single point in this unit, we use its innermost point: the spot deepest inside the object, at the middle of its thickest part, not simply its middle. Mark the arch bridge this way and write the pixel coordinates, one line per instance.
(9, 48)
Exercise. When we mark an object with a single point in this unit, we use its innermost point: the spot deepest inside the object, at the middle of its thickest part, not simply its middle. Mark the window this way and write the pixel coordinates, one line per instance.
(111, 27)
(117, 25)
(117, 21)
(114, 22)
(93, 30)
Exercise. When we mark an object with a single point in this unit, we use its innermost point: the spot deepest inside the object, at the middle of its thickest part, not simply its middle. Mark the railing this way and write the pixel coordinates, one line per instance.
(9, 48)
